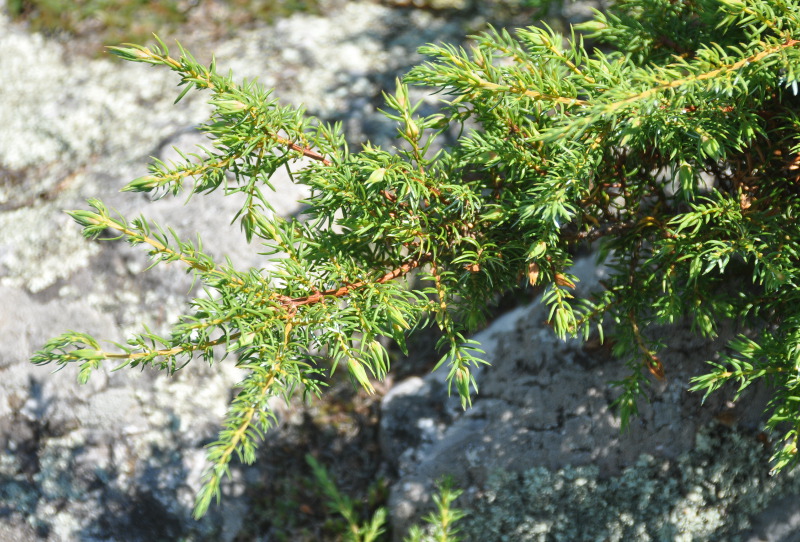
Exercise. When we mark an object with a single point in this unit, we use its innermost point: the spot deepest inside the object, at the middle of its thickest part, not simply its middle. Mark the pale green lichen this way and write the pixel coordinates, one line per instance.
(709, 493)
(31, 256)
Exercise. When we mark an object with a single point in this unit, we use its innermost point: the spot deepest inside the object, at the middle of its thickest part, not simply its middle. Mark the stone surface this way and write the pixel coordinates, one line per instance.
(541, 448)
(118, 455)
(710, 492)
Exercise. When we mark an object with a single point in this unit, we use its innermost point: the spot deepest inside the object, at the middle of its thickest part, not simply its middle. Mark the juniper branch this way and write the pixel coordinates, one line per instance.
(674, 154)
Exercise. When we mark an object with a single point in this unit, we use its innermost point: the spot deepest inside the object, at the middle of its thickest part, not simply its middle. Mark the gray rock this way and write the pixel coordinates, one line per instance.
(543, 418)
(118, 455)
(710, 492)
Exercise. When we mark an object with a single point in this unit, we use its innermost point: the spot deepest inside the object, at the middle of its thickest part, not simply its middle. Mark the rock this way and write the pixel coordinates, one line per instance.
(109, 457)
(711, 492)
(780, 520)
(543, 419)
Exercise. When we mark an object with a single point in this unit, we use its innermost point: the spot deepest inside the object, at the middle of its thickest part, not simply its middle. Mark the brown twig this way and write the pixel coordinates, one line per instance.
(305, 151)
(294, 302)
(652, 362)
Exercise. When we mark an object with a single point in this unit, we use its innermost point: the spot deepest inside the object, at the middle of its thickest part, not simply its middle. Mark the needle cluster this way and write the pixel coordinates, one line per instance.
(673, 151)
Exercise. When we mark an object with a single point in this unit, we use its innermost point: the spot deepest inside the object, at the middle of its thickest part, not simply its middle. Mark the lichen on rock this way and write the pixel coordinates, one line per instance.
(711, 492)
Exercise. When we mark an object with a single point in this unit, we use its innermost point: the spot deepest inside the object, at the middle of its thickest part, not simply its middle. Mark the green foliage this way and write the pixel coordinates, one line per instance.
(344, 506)
(675, 154)
(441, 522)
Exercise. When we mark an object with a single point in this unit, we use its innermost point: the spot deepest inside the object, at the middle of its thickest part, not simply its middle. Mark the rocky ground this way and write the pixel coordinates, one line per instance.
(540, 455)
